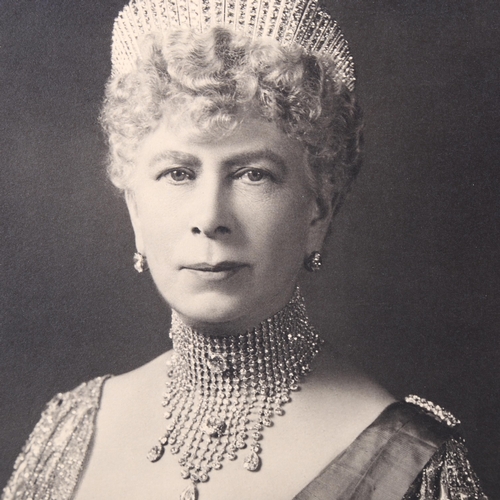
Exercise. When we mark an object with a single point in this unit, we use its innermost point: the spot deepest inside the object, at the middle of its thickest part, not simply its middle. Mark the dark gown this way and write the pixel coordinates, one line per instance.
(407, 453)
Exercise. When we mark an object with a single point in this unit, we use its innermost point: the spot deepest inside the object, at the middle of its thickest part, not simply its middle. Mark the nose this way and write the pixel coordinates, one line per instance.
(209, 232)
(211, 215)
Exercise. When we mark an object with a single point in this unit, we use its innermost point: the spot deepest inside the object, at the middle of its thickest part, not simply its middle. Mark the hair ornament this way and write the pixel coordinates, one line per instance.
(303, 22)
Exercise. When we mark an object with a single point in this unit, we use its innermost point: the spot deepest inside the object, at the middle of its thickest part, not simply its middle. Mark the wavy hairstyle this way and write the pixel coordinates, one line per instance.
(215, 77)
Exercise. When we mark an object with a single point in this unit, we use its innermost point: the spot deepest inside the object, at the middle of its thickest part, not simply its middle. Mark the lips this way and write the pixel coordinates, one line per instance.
(220, 272)
(215, 268)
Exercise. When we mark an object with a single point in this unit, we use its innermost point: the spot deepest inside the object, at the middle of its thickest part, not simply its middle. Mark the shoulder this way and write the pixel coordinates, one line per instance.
(85, 396)
(448, 472)
(431, 428)
(359, 397)
(63, 432)
(139, 387)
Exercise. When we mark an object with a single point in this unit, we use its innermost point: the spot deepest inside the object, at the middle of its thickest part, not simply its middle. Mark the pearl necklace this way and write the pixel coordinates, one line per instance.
(223, 391)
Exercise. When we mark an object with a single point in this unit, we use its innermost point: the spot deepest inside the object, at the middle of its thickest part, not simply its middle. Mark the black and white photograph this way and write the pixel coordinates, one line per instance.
(250, 250)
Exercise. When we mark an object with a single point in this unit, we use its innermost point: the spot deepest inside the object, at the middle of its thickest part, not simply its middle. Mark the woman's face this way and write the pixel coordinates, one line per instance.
(225, 224)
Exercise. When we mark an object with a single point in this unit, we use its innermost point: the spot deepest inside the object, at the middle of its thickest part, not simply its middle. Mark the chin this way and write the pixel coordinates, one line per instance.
(215, 310)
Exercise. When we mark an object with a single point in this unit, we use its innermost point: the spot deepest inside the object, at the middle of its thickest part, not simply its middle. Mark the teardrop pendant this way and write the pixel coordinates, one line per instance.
(155, 453)
(252, 462)
(190, 493)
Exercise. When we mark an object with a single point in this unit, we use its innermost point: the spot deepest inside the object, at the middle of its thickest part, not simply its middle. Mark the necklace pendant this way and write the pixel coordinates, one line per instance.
(252, 462)
(214, 427)
(217, 363)
(155, 453)
(190, 493)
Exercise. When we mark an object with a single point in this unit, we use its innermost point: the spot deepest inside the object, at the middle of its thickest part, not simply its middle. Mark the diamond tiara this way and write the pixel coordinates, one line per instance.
(302, 22)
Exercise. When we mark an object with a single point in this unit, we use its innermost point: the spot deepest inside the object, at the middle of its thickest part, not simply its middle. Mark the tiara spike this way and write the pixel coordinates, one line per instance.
(143, 17)
(176, 7)
(135, 17)
(250, 16)
(240, 15)
(154, 18)
(273, 17)
(217, 13)
(282, 22)
(195, 15)
(169, 12)
(294, 20)
(307, 20)
(320, 33)
(183, 12)
(301, 22)
(262, 18)
(229, 13)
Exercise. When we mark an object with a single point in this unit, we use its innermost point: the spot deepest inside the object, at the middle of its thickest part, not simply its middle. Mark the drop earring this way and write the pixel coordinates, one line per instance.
(140, 262)
(313, 262)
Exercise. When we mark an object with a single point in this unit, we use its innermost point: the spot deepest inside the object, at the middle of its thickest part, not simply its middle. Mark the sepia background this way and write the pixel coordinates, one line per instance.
(411, 281)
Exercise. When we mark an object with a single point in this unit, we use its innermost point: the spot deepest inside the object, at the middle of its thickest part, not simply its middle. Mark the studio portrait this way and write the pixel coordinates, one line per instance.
(250, 250)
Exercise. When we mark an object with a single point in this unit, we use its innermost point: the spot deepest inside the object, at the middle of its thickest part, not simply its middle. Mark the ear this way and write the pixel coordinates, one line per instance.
(134, 217)
(321, 218)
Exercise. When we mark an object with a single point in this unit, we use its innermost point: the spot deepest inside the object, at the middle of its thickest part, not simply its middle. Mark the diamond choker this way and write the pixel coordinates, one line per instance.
(222, 392)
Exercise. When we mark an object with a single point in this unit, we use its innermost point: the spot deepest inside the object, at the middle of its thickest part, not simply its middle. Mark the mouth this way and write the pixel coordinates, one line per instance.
(215, 268)
(215, 272)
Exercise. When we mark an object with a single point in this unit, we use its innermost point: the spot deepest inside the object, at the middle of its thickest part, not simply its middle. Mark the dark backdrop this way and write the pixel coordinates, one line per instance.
(410, 283)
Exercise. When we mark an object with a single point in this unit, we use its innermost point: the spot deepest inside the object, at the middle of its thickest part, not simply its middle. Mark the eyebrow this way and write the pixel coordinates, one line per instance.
(175, 156)
(241, 159)
(254, 156)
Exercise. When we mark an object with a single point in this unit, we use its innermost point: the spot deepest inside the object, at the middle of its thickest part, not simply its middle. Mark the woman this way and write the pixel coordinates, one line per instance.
(234, 137)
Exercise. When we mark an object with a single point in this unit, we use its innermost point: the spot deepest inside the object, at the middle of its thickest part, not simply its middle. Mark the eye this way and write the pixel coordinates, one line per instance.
(253, 175)
(177, 175)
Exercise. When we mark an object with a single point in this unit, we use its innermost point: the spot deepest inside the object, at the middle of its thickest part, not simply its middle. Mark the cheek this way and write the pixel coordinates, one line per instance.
(161, 223)
(282, 228)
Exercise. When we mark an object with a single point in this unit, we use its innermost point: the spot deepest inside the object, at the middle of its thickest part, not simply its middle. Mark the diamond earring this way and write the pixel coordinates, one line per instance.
(140, 262)
(313, 262)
